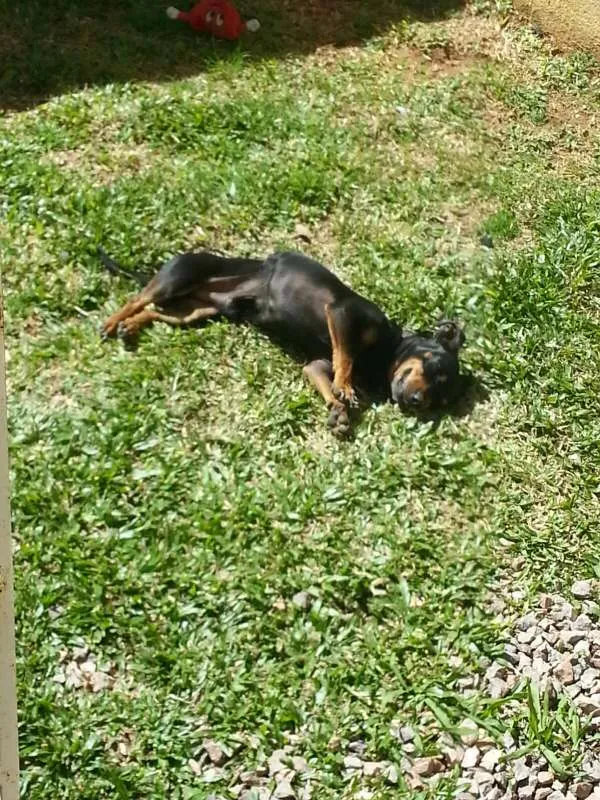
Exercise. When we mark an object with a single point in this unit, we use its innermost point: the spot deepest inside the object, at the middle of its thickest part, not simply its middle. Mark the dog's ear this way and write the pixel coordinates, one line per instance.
(450, 335)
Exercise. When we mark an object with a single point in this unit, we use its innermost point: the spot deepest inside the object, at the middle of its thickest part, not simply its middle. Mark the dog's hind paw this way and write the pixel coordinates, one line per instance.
(106, 332)
(339, 421)
(127, 335)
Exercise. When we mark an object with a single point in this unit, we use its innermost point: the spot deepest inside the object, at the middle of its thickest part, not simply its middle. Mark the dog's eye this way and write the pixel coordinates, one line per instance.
(406, 373)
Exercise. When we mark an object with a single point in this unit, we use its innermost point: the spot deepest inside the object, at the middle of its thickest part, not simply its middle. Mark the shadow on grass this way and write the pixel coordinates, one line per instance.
(51, 48)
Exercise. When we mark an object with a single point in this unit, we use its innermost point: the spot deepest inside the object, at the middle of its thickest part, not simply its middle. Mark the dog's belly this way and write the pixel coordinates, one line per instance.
(295, 313)
(298, 332)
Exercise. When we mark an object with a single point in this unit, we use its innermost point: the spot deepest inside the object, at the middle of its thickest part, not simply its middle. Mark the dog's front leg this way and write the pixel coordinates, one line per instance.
(320, 374)
(339, 322)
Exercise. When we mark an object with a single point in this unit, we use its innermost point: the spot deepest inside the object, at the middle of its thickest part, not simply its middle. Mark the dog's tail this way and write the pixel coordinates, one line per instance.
(116, 269)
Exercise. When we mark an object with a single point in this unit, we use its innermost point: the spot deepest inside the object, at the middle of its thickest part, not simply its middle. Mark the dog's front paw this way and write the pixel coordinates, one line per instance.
(346, 394)
(339, 421)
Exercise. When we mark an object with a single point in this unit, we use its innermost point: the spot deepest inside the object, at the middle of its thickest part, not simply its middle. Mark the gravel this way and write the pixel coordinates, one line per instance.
(555, 646)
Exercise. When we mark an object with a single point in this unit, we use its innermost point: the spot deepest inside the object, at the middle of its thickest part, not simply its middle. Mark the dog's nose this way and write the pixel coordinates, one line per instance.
(415, 399)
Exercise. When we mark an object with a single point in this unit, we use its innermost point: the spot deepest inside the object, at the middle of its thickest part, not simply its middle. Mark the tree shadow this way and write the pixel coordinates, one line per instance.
(51, 48)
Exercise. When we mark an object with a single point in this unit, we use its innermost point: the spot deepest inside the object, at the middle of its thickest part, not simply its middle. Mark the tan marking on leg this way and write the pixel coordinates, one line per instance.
(342, 362)
(318, 373)
(133, 325)
(128, 310)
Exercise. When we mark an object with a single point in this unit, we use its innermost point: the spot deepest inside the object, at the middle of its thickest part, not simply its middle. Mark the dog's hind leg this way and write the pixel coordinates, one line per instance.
(130, 309)
(131, 326)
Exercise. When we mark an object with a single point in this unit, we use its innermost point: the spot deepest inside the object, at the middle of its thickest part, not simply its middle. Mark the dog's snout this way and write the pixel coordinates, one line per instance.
(415, 399)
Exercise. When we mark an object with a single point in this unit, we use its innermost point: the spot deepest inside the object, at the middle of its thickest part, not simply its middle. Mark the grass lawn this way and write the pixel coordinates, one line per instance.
(169, 504)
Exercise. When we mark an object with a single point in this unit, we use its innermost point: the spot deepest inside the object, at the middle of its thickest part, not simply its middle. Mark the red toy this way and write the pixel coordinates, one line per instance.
(218, 17)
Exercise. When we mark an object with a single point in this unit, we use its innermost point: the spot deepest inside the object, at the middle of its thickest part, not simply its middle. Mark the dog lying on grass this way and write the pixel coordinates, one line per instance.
(345, 339)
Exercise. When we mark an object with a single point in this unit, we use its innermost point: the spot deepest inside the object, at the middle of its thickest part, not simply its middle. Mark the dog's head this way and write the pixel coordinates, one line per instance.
(425, 373)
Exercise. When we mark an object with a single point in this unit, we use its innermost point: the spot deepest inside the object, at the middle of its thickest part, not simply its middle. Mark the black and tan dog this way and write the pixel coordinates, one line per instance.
(347, 340)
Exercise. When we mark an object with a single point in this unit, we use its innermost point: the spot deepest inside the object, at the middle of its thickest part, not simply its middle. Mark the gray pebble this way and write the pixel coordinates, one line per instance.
(563, 612)
(300, 765)
(524, 661)
(454, 755)
(574, 690)
(551, 636)
(482, 777)
(581, 590)
(520, 770)
(353, 762)
(539, 667)
(284, 791)
(391, 775)
(569, 637)
(591, 767)
(372, 769)
(406, 733)
(511, 654)
(582, 623)
(497, 688)
(490, 759)
(302, 600)
(527, 637)
(582, 649)
(589, 705)
(471, 758)
(496, 670)
(358, 746)
(589, 678)
(501, 780)
(526, 622)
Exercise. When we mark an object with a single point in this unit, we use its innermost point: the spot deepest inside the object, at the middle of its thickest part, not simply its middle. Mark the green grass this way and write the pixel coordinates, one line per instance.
(168, 504)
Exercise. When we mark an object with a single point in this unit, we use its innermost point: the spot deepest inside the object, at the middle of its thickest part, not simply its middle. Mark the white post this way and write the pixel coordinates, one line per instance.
(9, 744)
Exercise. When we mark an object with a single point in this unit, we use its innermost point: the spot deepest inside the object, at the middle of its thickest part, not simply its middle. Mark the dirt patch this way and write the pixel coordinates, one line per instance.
(572, 23)
(103, 168)
(566, 111)
(574, 126)
(463, 220)
(468, 36)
